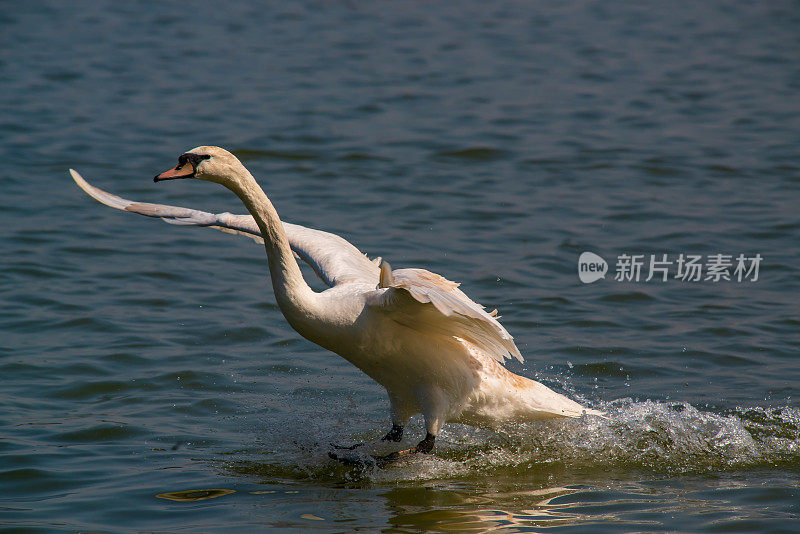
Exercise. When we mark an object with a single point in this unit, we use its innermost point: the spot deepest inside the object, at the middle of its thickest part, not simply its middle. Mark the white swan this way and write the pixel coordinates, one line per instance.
(435, 351)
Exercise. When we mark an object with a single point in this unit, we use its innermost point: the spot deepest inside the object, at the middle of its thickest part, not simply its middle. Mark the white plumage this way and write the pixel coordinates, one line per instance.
(435, 350)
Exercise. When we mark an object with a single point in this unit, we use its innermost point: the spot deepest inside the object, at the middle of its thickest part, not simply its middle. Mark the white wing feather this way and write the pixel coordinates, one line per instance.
(333, 258)
(426, 301)
(416, 298)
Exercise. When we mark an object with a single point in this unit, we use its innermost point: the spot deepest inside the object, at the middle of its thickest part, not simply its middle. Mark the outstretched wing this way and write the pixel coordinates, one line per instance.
(333, 258)
(428, 302)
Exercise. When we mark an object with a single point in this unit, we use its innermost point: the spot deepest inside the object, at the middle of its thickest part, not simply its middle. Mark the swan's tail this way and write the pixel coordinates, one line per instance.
(596, 413)
(566, 407)
(506, 397)
(542, 402)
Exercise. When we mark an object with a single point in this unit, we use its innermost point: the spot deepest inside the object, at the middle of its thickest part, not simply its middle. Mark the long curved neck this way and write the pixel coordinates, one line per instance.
(295, 298)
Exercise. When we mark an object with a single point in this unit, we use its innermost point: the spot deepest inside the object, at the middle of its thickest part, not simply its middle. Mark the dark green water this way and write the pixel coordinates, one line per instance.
(150, 383)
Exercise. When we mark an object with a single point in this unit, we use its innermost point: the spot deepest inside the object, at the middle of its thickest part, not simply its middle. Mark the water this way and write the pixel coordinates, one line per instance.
(151, 384)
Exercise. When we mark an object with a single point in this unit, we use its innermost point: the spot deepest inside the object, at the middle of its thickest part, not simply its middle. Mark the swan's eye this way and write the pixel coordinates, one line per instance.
(195, 159)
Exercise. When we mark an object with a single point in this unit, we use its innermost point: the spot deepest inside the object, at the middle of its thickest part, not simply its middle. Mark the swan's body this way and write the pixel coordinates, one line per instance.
(434, 350)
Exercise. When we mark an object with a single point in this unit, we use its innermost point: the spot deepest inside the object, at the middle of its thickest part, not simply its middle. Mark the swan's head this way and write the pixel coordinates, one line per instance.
(210, 163)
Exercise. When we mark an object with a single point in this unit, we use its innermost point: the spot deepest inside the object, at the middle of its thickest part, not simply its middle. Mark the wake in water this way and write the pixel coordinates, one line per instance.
(657, 437)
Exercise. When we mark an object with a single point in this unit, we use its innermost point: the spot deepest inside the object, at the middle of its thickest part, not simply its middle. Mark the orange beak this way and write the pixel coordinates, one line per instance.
(181, 171)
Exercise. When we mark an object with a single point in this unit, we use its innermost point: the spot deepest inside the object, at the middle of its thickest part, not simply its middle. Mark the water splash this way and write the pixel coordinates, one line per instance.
(649, 437)
(654, 436)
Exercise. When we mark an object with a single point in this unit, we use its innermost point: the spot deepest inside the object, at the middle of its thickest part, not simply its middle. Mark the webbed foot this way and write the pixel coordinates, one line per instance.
(424, 447)
(345, 448)
(395, 434)
(366, 460)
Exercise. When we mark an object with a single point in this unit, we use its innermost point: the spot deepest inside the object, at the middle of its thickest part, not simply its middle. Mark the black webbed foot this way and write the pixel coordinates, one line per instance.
(345, 448)
(395, 434)
(424, 447)
(350, 460)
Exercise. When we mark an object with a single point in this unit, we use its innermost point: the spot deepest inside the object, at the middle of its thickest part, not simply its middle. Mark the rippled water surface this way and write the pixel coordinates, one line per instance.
(150, 383)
